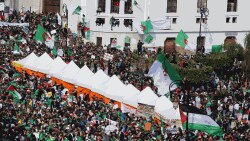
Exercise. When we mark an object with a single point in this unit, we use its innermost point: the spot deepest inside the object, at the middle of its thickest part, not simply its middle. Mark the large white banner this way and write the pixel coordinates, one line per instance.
(161, 24)
(13, 24)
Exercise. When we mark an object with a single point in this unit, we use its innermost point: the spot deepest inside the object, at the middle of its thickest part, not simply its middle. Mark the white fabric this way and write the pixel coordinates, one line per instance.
(83, 76)
(59, 19)
(42, 62)
(98, 78)
(164, 107)
(56, 67)
(69, 72)
(138, 27)
(148, 97)
(161, 24)
(132, 97)
(30, 60)
(115, 89)
(160, 81)
(13, 24)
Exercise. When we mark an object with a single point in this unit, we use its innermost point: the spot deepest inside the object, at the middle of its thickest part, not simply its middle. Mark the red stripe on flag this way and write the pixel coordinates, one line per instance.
(10, 88)
(183, 117)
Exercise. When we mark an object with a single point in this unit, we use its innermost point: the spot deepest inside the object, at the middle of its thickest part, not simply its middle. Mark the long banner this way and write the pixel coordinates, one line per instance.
(13, 24)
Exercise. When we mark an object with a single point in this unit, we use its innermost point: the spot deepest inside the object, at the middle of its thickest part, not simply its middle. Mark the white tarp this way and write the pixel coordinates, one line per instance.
(69, 72)
(42, 62)
(13, 24)
(57, 66)
(132, 96)
(30, 60)
(115, 89)
(83, 76)
(147, 97)
(24, 60)
(161, 24)
(98, 78)
(164, 107)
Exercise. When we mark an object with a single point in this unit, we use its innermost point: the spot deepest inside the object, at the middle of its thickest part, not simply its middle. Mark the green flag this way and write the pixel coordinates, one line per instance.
(54, 51)
(149, 39)
(16, 48)
(127, 40)
(217, 48)
(135, 2)
(147, 26)
(16, 75)
(69, 51)
(181, 39)
(77, 10)
(88, 35)
(41, 34)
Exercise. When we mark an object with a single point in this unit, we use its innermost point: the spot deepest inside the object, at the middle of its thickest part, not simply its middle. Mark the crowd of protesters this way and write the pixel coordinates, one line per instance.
(47, 112)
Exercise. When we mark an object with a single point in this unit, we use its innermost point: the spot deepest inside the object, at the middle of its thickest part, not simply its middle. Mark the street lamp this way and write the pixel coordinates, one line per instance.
(203, 11)
(176, 101)
(65, 11)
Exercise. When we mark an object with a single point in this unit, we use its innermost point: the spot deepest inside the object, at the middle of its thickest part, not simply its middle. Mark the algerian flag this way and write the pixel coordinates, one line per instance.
(149, 39)
(69, 51)
(146, 26)
(77, 10)
(15, 94)
(127, 40)
(41, 34)
(88, 35)
(217, 48)
(201, 122)
(181, 39)
(16, 49)
(164, 74)
(135, 2)
(54, 51)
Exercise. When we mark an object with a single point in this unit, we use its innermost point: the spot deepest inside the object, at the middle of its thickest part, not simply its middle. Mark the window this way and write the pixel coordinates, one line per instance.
(100, 21)
(101, 6)
(228, 20)
(201, 4)
(198, 20)
(128, 7)
(113, 42)
(128, 23)
(171, 6)
(174, 20)
(234, 20)
(231, 5)
(98, 41)
(115, 4)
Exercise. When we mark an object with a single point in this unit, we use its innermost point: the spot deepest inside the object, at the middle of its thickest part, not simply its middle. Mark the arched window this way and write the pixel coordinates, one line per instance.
(171, 6)
(101, 6)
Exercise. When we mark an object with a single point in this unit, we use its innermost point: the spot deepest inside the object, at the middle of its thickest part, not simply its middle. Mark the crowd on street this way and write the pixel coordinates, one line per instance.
(43, 113)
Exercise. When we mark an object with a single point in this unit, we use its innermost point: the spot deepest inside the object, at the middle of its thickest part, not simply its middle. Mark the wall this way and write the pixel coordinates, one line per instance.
(215, 31)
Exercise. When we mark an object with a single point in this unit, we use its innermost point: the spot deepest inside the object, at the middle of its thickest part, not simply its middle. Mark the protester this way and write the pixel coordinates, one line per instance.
(42, 110)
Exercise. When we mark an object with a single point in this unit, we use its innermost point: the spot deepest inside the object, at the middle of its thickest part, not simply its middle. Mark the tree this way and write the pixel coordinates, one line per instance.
(247, 55)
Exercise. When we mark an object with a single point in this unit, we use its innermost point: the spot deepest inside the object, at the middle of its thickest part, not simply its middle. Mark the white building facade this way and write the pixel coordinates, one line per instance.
(224, 21)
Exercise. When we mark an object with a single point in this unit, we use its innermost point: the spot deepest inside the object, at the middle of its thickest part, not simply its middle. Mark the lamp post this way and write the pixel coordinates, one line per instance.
(203, 11)
(65, 11)
(175, 99)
